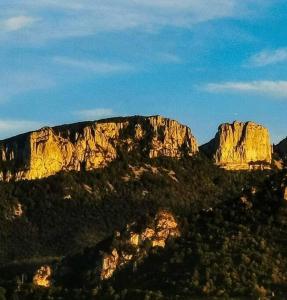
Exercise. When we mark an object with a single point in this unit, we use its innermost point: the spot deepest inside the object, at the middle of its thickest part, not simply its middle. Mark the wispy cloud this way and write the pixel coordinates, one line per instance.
(10, 127)
(97, 67)
(16, 23)
(93, 114)
(14, 83)
(79, 18)
(268, 57)
(168, 58)
(271, 88)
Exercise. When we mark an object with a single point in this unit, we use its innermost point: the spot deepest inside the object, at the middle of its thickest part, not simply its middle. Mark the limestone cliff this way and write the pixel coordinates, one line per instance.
(90, 145)
(240, 146)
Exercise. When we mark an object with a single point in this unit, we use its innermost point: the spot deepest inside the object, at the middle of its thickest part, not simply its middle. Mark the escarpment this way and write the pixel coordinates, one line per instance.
(240, 146)
(91, 145)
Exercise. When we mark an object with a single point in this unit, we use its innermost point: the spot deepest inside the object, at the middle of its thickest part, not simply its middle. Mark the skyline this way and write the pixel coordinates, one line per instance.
(76, 61)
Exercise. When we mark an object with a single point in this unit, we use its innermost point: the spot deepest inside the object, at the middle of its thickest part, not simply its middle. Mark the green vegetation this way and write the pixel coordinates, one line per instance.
(233, 223)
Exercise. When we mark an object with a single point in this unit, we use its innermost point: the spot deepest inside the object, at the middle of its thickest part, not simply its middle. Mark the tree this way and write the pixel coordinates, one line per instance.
(2, 294)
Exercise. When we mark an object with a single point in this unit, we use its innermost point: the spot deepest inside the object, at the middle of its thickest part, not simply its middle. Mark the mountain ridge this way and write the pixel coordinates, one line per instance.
(93, 144)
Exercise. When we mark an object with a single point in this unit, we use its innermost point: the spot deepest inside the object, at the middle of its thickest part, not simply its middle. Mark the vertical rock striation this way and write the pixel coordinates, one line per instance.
(90, 145)
(240, 146)
(157, 233)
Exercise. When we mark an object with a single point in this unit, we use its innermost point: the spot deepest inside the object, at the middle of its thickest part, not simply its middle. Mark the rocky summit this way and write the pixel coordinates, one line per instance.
(281, 148)
(240, 146)
(90, 145)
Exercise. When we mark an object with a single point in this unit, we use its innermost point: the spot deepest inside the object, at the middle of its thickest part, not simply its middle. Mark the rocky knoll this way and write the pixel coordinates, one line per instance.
(281, 148)
(90, 145)
(132, 243)
(240, 146)
(128, 247)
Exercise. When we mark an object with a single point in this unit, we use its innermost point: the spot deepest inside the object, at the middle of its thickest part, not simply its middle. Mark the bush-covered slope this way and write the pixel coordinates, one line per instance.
(232, 244)
(69, 211)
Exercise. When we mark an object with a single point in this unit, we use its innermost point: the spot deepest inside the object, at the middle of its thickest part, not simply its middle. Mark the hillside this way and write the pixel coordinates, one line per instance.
(69, 212)
(164, 226)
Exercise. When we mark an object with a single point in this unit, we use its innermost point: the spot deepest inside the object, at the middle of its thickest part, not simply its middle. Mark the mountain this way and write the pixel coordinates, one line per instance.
(134, 210)
(90, 145)
(240, 146)
(228, 242)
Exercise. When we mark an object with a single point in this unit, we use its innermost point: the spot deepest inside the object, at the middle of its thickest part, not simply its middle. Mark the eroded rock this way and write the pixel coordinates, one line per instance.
(163, 227)
(18, 210)
(91, 145)
(43, 276)
(241, 146)
(110, 264)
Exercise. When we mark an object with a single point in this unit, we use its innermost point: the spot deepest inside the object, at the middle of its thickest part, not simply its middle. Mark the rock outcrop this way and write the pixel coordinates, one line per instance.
(128, 247)
(43, 277)
(240, 146)
(90, 145)
(156, 234)
(18, 210)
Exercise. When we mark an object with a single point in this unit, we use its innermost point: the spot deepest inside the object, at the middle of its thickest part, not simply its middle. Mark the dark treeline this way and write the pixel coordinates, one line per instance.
(233, 223)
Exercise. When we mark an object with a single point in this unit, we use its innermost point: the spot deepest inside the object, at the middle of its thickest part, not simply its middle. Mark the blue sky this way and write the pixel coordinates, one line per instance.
(202, 62)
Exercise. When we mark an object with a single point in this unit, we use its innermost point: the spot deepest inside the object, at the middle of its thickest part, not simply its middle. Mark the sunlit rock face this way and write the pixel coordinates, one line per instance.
(91, 145)
(18, 210)
(163, 227)
(110, 264)
(241, 146)
(15, 211)
(43, 277)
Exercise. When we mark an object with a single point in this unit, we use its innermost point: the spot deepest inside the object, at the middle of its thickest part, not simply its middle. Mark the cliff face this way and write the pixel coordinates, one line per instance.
(90, 145)
(132, 243)
(241, 146)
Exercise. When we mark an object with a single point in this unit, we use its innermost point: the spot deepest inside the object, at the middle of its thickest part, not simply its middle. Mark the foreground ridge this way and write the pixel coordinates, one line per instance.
(91, 145)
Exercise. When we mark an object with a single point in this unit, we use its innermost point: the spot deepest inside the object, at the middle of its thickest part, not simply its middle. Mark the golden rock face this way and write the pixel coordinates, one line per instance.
(43, 277)
(110, 264)
(91, 145)
(241, 146)
(164, 227)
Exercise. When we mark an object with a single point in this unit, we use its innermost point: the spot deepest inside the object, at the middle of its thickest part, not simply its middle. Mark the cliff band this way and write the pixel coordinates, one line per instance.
(90, 145)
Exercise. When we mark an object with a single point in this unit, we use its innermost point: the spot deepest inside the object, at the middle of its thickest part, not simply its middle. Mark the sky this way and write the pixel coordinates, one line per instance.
(201, 62)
